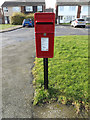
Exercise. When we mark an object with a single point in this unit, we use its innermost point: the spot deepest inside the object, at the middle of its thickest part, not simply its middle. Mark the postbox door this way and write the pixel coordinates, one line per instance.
(45, 46)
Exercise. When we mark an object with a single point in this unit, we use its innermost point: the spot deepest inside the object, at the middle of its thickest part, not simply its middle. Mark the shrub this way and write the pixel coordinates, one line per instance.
(31, 16)
(17, 18)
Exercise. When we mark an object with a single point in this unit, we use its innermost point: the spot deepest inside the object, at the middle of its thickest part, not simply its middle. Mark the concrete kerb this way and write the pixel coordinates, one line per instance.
(11, 29)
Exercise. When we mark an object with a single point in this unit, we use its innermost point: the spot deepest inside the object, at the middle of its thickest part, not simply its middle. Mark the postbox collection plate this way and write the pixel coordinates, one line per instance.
(44, 44)
(44, 34)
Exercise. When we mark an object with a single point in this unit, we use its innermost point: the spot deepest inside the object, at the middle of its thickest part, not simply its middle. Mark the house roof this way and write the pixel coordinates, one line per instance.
(23, 3)
(72, 2)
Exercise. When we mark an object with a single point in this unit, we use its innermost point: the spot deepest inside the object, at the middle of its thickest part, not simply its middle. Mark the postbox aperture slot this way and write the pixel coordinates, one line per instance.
(44, 23)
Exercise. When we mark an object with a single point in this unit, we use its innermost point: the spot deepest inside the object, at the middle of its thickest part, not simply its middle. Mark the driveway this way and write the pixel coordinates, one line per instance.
(18, 51)
(68, 30)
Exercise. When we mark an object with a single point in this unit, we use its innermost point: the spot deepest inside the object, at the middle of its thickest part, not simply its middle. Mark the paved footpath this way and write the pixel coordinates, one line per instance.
(17, 89)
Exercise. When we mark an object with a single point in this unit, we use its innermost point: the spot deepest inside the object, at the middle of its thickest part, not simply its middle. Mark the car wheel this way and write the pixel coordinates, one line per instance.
(84, 26)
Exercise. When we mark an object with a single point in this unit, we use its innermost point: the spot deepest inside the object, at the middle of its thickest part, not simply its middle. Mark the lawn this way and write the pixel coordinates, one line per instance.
(68, 73)
(87, 23)
(65, 24)
(5, 26)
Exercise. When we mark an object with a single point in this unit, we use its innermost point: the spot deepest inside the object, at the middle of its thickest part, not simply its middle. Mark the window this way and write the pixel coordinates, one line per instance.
(61, 8)
(68, 18)
(81, 20)
(39, 8)
(6, 19)
(73, 17)
(26, 20)
(85, 8)
(84, 17)
(29, 8)
(88, 19)
(72, 8)
(5, 9)
(16, 9)
(61, 17)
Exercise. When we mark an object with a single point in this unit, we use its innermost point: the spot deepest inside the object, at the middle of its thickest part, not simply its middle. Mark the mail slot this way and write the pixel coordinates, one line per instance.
(44, 34)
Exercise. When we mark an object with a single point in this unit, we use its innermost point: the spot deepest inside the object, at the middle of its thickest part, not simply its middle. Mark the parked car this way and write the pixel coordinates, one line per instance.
(78, 22)
(88, 20)
(28, 22)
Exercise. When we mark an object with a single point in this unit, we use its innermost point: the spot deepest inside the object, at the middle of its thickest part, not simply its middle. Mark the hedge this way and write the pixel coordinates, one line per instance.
(31, 15)
(17, 18)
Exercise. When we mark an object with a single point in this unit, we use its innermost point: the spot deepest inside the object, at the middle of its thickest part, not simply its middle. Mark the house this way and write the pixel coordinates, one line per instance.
(49, 10)
(67, 10)
(85, 11)
(1, 17)
(23, 6)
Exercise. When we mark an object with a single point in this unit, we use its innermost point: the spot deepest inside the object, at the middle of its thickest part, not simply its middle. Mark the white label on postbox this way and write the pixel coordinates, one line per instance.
(44, 44)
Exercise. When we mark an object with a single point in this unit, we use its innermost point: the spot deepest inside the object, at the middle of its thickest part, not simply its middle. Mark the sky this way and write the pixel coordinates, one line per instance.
(49, 3)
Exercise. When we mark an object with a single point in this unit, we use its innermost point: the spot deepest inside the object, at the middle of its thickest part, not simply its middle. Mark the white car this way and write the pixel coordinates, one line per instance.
(78, 22)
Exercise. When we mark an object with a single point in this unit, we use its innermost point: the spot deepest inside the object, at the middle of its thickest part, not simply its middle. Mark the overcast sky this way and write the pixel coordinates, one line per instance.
(49, 3)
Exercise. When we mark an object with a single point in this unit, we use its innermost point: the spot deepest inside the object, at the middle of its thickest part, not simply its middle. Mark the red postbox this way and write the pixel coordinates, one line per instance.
(44, 34)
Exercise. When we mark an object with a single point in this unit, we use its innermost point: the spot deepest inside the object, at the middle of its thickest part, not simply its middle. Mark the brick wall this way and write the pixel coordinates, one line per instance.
(0, 13)
(23, 9)
(1, 17)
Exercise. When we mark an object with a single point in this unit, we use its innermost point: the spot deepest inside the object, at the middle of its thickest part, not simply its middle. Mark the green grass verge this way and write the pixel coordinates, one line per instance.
(87, 23)
(65, 23)
(5, 26)
(67, 72)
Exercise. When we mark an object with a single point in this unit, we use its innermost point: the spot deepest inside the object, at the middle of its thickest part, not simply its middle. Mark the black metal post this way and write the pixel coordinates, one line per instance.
(45, 73)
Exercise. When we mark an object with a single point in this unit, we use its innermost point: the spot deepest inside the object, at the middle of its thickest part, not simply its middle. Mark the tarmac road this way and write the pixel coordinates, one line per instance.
(18, 51)
(26, 34)
(68, 30)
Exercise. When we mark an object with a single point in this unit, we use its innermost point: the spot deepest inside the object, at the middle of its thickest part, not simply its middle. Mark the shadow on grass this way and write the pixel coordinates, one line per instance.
(52, 97)
(53, 93)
